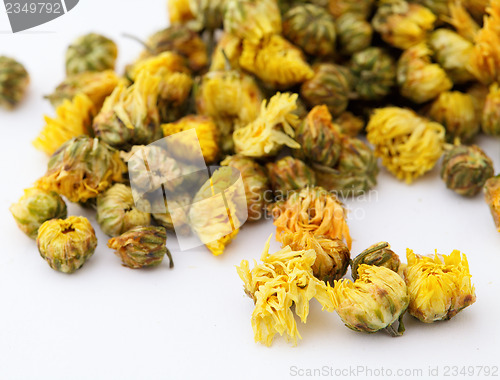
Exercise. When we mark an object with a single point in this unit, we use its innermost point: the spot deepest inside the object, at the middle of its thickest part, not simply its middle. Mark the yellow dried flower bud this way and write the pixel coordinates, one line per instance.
(492, 198)
(375, 301)
(491, 112)
(340, 7)
(419, 79)
(74, 118)
(439, 286)
(408, 144)
(275, 61)
(66, 243)
(179, 11)
(227, 51)
(273, 128)
(462, 21)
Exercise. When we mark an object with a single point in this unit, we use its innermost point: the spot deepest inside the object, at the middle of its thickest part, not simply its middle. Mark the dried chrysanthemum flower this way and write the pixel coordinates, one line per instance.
(439, 286)
(96, 85)
(141, 247)
(456, 112)
(117, 212)
(227, 51)
(252, 20)
(479, 93)
(485, 60)
(289, 174)
(490, 116)
(207, 14)
(374, 72)
(82, 168)
(375, 301)
(14, 80)
(182, 40)
(419, 79)
(74, 118)
(355, 172)
(176, 217)
(462, 21)
(476, 7)
(349, 124)
(354, 33)
(402, 24)
(275, 61)
(311, 28)
(465, 169)
(492, 197)
(66, 243)
(380, 255)
(408, 144)
(91, 52)
(315, 210)
(453, 53)
(35, 207)
(130, 115)
(284, 278)
(179, 11)
(318, 137)
(340, 7)
(330, 85)
(207, 134)
(332, 255)
(439, 7)
(216, 218)
(273, 128)
(255, 182)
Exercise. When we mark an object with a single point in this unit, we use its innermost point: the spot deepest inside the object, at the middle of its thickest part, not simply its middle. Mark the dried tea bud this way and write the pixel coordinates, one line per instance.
(361, 7)
(490, 113)
(349, 124)
(96, 85)
(35, 207)
(311, 28)
(91, 52)
(66, 243)
(492, 198)
(130, 115)
(453, 53)
(252, 19)
(141, 247)
(277, 62)
(318, 137)
(374, 72)
(465, 169)
(176, 217)
(289, 174)
(255, 182)
(330, 85)
(355, 172)
(182, 40)
(354, 33)
(375, 301)
(117, 212)
(408, 144)
(439, 286)
(380, 255)
(82, 168)
(14, 81)
(332, 255)
(402, 24)
(419, 79)
(456, 112)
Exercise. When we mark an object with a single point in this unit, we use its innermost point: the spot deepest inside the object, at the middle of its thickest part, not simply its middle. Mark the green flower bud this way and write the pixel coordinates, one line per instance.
(255, 182)
(117, 212)
(14, 80)
(490, 113)
(290, 174)
(208, 14)
(66, 243)
(330, 85)
(355, 173)
(319, 138)
(465, 169)
(354, 33)
(341, 7)
(380, 255)
(350, 124)
(35, 207)
(141, 247)
(91, 52)
(311, 28)
(374, 72)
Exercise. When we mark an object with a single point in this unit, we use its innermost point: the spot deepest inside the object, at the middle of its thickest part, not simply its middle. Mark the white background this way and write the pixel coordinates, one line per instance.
(109, 322)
